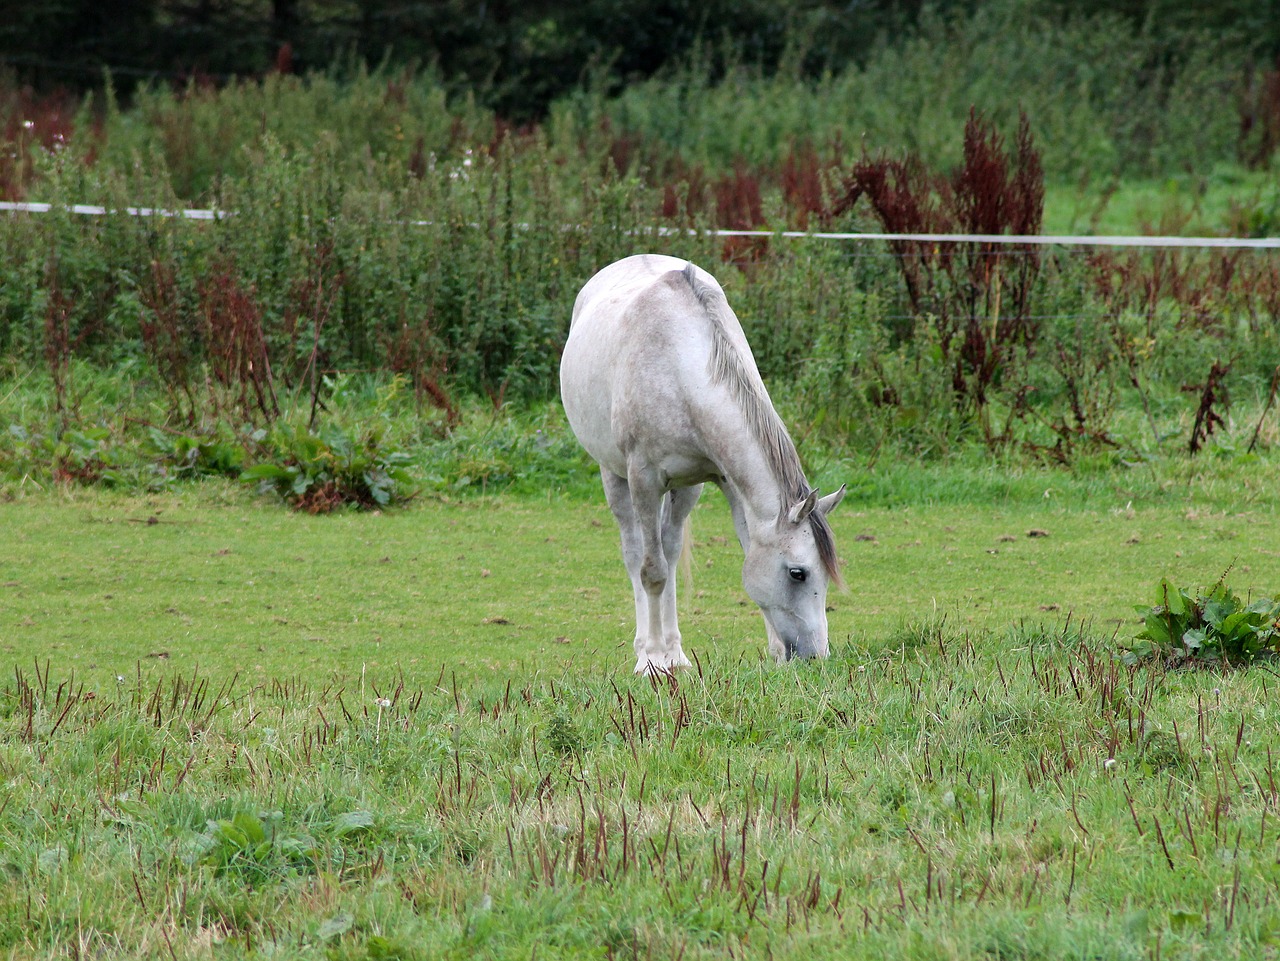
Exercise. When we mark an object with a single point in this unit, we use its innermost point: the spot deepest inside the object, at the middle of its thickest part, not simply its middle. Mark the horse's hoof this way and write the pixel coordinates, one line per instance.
(667, 664)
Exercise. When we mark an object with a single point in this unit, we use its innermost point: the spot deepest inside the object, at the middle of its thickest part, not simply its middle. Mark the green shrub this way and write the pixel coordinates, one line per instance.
(321, 471)
(1214, 626)
(183, 456)
(254, 849)
(380, 227)
(509, 450)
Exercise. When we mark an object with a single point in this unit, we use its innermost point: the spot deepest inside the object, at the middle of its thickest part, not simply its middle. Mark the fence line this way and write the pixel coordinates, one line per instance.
(1062, 240)
(91, 210)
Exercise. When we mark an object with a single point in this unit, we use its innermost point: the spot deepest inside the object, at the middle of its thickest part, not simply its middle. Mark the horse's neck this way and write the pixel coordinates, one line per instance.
(755, 451)
(752, 491)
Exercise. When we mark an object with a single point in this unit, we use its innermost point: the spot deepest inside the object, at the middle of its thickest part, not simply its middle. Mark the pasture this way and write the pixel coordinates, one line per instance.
(232, 731)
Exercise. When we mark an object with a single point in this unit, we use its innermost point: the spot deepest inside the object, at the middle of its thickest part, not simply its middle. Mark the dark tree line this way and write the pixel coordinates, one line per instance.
(517, 56)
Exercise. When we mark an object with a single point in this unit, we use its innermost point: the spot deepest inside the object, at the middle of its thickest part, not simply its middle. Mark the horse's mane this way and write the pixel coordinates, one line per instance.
(728, 367)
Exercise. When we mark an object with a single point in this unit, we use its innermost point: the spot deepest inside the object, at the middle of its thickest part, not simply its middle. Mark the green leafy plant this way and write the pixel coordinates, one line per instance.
(563, 735)
(255, 847)
(185, 456)
(511, 452)
(1216, 625)
(86, 455)
(321, 471)
(83, 455)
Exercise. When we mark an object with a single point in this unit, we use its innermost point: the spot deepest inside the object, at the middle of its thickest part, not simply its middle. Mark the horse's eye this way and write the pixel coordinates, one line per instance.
(798, 574)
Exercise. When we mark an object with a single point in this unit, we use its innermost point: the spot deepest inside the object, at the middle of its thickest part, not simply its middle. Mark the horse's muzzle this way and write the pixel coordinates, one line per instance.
(803, 649)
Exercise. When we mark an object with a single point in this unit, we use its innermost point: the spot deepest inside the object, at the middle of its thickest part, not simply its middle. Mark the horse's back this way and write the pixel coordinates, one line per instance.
(637, 352)
(623, 280)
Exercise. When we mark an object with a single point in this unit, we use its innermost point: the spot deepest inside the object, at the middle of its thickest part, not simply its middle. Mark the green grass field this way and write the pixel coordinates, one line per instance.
(98, 582)
(229, 730)
(233, 731)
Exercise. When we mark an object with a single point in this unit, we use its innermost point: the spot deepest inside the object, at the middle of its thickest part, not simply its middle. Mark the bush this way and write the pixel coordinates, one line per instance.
(377, 227)
(322, 471)
(1214, 626)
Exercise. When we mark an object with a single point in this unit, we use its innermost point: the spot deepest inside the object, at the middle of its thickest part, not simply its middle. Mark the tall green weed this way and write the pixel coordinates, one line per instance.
(203, 135)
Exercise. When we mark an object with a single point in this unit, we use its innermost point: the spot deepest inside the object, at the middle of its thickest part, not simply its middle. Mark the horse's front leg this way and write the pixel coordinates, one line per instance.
(676, 509)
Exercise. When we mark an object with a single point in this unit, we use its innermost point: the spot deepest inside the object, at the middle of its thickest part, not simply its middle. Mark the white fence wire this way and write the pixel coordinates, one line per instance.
(1062, 240)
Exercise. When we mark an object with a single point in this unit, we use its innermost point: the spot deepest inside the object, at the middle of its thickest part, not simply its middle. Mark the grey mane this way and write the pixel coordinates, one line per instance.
(727, 368)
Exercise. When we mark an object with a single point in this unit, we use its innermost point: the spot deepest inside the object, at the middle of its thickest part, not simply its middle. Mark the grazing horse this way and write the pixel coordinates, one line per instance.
(660, 387)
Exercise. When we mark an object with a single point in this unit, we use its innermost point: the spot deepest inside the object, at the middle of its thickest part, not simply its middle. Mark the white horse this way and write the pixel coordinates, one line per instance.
(660, 387)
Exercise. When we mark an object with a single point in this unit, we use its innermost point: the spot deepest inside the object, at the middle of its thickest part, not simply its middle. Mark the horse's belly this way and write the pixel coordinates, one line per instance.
(587, 397)
(619, 442)
(687, 472)
(627, 422)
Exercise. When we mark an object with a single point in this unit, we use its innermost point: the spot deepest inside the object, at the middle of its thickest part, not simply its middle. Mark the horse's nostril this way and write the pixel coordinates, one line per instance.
(810, 651)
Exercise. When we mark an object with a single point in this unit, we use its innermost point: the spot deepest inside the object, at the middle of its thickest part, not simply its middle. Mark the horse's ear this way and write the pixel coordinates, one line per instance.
(803, 508)
(828, 503)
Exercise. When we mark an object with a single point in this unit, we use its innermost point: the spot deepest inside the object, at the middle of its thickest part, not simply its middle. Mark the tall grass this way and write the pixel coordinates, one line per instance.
(202, 134)
(938, 794)
(463, 273)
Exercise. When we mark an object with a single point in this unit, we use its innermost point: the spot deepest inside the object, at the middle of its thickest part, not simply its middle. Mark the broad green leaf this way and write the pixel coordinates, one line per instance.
(1216, 610)
(1138, 650)
(228, 833)
(251, 826)
(352, 822)
(1157, 630)
(337, 925)
(1172, 599)
(1238, 624)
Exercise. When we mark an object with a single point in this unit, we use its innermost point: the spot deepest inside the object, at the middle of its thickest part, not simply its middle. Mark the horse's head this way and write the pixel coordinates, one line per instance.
(788, 567)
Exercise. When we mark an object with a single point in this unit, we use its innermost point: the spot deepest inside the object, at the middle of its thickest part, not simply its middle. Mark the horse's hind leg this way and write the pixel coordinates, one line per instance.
(618, 493)
(676, 509)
